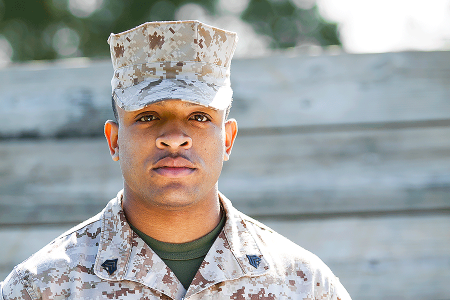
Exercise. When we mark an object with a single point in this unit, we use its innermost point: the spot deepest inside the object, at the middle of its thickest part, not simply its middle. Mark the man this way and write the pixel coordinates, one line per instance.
(170, 234)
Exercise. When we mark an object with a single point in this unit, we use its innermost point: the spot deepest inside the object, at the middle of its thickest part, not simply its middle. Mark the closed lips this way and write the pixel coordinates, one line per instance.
(171, 162)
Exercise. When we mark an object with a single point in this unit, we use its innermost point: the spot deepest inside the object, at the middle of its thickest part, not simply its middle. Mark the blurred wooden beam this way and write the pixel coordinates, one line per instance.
(72, 98)
(402, 257)
(299, 175)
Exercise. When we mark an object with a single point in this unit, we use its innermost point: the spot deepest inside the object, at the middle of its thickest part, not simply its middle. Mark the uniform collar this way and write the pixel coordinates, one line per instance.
(228, 257)
(123, 255)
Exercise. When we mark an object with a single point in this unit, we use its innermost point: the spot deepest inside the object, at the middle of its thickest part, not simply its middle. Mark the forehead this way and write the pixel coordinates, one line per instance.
(182, 103)
(179, 105)
(171, 105)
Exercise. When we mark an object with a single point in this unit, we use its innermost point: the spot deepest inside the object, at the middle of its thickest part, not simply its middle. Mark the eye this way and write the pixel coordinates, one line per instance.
(199, 118)
(148, 118)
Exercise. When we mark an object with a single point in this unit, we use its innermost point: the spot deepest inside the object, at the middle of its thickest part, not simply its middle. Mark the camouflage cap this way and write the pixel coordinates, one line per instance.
(185, 60)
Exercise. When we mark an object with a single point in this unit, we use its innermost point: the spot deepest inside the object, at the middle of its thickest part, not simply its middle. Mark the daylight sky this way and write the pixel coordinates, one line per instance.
(365, 26)
(390, 25)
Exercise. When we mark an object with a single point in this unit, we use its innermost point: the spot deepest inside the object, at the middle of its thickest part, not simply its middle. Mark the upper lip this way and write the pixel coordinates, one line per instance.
(174, 162)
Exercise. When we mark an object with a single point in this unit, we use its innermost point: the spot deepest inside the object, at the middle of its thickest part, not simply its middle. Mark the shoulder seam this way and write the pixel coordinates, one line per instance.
(25, 284)
(256, 223)
(80, 226)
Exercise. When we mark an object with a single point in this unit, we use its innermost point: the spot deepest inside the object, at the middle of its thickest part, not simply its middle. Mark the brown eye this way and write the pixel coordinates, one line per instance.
(199, 118)
(148, 118)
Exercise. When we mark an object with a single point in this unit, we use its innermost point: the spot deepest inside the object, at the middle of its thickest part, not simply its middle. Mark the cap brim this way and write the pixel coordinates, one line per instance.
(153, 90)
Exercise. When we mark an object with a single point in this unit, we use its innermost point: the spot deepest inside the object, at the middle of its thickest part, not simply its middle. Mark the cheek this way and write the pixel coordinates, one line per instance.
(130, 147)
(215, 146)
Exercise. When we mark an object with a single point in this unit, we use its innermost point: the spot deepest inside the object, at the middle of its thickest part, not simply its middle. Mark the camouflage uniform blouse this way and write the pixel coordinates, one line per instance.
(103, 258)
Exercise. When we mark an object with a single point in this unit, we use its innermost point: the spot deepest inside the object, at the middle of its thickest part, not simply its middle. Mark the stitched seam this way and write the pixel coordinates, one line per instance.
(25, 284)
(235, 257)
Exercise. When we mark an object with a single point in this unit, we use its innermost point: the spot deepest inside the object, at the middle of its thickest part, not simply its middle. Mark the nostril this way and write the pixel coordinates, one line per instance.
(173, 141)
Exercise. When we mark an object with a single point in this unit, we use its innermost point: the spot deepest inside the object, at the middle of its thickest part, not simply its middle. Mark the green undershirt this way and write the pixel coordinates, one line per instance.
(183, 259)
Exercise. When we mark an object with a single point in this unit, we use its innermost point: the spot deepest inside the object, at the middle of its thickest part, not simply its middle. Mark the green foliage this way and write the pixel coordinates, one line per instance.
(48, 29)
(288, 25)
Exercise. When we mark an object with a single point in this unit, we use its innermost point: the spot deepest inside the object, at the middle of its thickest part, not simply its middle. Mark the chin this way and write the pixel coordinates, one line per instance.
(173, 197)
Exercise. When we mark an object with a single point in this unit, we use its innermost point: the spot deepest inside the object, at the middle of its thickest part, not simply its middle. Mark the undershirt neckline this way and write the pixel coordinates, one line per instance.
(182, 251)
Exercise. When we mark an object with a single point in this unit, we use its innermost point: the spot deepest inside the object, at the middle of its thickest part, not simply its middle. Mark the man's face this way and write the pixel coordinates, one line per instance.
(171, 152)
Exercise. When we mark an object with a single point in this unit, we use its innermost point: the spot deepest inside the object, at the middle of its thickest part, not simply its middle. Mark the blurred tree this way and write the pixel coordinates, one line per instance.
(48, 29)
(289, 25)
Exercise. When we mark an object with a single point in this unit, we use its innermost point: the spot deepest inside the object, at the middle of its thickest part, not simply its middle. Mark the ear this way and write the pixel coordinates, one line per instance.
(231, 130)
(112, 135)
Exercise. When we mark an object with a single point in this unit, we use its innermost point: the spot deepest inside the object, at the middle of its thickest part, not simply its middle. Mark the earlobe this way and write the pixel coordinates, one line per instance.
(112, 135)
(115, 155)
(231, 130)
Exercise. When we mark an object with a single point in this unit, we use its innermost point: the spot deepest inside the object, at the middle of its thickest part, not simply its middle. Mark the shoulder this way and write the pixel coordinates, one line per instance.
(71, 253)
(279, 246)
(277, 249)
(289, 260)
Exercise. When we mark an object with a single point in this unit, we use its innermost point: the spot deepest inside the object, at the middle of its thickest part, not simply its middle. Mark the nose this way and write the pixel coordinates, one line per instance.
(174, 141)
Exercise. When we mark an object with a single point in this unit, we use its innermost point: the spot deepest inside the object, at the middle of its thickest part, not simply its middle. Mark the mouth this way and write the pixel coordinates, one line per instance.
(174, 167)
(174, 172)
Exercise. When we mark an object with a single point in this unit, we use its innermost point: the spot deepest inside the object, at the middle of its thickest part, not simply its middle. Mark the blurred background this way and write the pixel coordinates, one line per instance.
(78, 28)
(344, 131)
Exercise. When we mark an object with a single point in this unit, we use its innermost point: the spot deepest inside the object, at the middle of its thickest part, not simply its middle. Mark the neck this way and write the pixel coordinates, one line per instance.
(173, 224)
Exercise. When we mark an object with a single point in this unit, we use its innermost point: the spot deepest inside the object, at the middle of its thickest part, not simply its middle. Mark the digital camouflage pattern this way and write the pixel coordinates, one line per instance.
(70, 267)
(185, 60)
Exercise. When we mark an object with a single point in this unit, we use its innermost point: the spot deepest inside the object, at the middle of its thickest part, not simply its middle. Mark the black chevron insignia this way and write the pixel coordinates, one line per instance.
(254, 260)
(110, 265)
